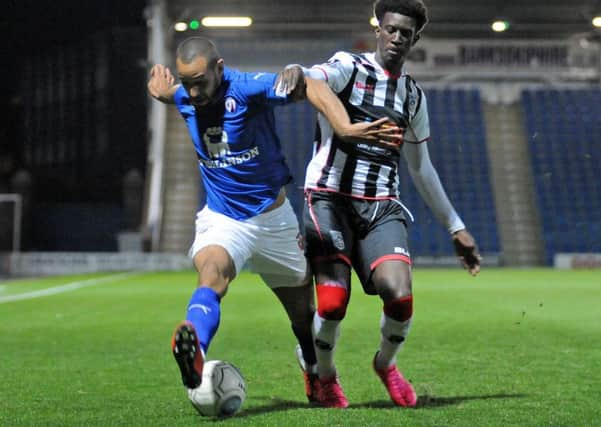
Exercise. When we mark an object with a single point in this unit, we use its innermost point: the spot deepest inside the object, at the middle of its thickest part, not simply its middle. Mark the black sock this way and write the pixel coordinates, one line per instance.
(305, 339)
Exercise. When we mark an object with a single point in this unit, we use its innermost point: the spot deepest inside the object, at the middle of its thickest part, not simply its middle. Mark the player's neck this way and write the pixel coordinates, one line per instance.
(392, 69)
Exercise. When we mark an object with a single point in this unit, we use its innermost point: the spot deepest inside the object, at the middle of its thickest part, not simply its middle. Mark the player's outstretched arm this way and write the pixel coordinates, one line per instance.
(428, 184)
(161, 84)
(382, 131)
(295, 81)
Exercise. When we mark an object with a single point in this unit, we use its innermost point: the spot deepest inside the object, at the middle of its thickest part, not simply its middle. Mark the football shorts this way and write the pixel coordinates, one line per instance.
(268, 244)
(361, 233)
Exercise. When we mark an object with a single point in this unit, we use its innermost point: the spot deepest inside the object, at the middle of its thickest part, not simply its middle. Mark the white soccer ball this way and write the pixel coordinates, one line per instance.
(221, 392)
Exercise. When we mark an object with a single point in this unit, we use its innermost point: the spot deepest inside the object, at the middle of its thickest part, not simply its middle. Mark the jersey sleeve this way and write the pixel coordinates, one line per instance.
(180, 96)
(259, 87)
(336, 72)
(182, 102)
(419, 125)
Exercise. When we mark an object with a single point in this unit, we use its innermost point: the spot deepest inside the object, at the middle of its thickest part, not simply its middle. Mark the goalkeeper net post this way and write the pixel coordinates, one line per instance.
(17, 213)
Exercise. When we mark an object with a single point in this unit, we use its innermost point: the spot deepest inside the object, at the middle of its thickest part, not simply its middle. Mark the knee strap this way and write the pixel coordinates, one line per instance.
(400, 309)
(331, 301)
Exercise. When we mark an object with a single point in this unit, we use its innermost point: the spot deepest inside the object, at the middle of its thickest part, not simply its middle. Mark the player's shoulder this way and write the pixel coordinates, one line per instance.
(251, 78)
(343, 57)
(352, 60)
(245, 82)
(413, 84)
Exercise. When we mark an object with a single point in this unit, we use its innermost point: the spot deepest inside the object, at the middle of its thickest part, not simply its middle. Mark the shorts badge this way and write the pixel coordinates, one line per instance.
(337, 239)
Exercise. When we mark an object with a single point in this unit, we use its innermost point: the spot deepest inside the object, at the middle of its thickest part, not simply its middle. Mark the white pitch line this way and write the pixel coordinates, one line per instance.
(65, 288)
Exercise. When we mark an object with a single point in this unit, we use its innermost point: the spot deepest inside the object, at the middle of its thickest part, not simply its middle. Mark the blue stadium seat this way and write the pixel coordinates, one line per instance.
(458, 151)
(565, 158)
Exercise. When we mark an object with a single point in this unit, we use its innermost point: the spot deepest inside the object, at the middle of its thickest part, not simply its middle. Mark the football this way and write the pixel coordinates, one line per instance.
(221, 392)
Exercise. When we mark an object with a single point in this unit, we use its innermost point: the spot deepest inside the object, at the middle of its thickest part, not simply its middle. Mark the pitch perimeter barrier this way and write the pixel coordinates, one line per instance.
(58, 263)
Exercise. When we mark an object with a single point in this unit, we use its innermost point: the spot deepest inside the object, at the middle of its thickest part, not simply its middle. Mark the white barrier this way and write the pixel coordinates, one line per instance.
(54, 263)
(577, 261)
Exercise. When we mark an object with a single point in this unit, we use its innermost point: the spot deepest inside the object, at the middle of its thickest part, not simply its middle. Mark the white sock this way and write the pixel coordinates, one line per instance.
(393, 334)
(326, 333)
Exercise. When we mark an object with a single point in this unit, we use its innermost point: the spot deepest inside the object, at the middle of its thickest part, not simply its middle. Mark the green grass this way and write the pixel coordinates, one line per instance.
(511, 347)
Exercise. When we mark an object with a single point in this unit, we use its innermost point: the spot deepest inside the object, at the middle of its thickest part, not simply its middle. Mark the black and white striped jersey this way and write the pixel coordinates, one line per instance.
(368, 93)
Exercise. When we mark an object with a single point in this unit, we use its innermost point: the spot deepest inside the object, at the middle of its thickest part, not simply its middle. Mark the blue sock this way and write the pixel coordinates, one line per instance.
(204, 313)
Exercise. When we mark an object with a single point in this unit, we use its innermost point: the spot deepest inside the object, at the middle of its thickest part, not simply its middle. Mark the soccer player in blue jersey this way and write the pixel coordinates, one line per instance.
(354, 217)
(247, 217)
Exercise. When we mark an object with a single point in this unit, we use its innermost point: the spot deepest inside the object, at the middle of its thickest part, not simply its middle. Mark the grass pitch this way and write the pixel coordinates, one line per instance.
(510, 347)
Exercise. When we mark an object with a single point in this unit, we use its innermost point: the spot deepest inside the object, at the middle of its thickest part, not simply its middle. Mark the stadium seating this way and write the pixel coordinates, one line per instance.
(458, 151)
(564, 140)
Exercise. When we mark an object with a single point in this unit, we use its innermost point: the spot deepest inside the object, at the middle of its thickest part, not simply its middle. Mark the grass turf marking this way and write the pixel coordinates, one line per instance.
(65, 288)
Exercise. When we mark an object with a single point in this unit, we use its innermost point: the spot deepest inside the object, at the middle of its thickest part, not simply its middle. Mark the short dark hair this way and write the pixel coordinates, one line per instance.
(193, 47)
(413, 8)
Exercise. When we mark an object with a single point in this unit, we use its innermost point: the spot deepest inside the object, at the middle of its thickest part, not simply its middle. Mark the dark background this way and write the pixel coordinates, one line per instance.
(74, 116)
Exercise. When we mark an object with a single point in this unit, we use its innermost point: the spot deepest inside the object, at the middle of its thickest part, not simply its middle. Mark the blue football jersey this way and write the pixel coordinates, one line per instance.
(239, 153)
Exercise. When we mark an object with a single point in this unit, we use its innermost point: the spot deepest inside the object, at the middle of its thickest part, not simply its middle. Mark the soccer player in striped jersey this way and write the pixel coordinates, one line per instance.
(247, 217)
(353, 213)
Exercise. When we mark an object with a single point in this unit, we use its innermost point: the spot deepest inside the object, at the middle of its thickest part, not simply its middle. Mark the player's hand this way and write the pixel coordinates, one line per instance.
(291, 81)
(380, 132)
(467, 251)
(161, 82)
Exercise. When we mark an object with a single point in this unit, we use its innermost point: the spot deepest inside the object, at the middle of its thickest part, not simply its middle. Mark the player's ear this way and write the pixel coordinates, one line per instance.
(415, 39)
(219, 68)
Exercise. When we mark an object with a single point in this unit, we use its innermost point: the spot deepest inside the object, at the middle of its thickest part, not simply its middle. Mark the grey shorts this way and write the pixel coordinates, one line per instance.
(359, 232)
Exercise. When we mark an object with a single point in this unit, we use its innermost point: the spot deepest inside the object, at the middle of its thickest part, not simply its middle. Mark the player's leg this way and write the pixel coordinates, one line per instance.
(192, 337)
(216, 245)
(333, 293)
(328, 247)
(216, 270)
(298, 301)
(386, 268)
(332, 284)
(281, 263)
(392, 280)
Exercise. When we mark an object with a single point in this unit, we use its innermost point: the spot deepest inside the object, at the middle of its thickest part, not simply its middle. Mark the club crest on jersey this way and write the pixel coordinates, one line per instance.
(337, 239)
(230, 104)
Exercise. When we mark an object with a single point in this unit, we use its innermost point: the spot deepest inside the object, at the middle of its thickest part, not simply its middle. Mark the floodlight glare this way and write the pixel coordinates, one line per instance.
(180, 26)
(597, 21)
(500, 26)
(194, 24)
(226, 21)
(374, 21)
